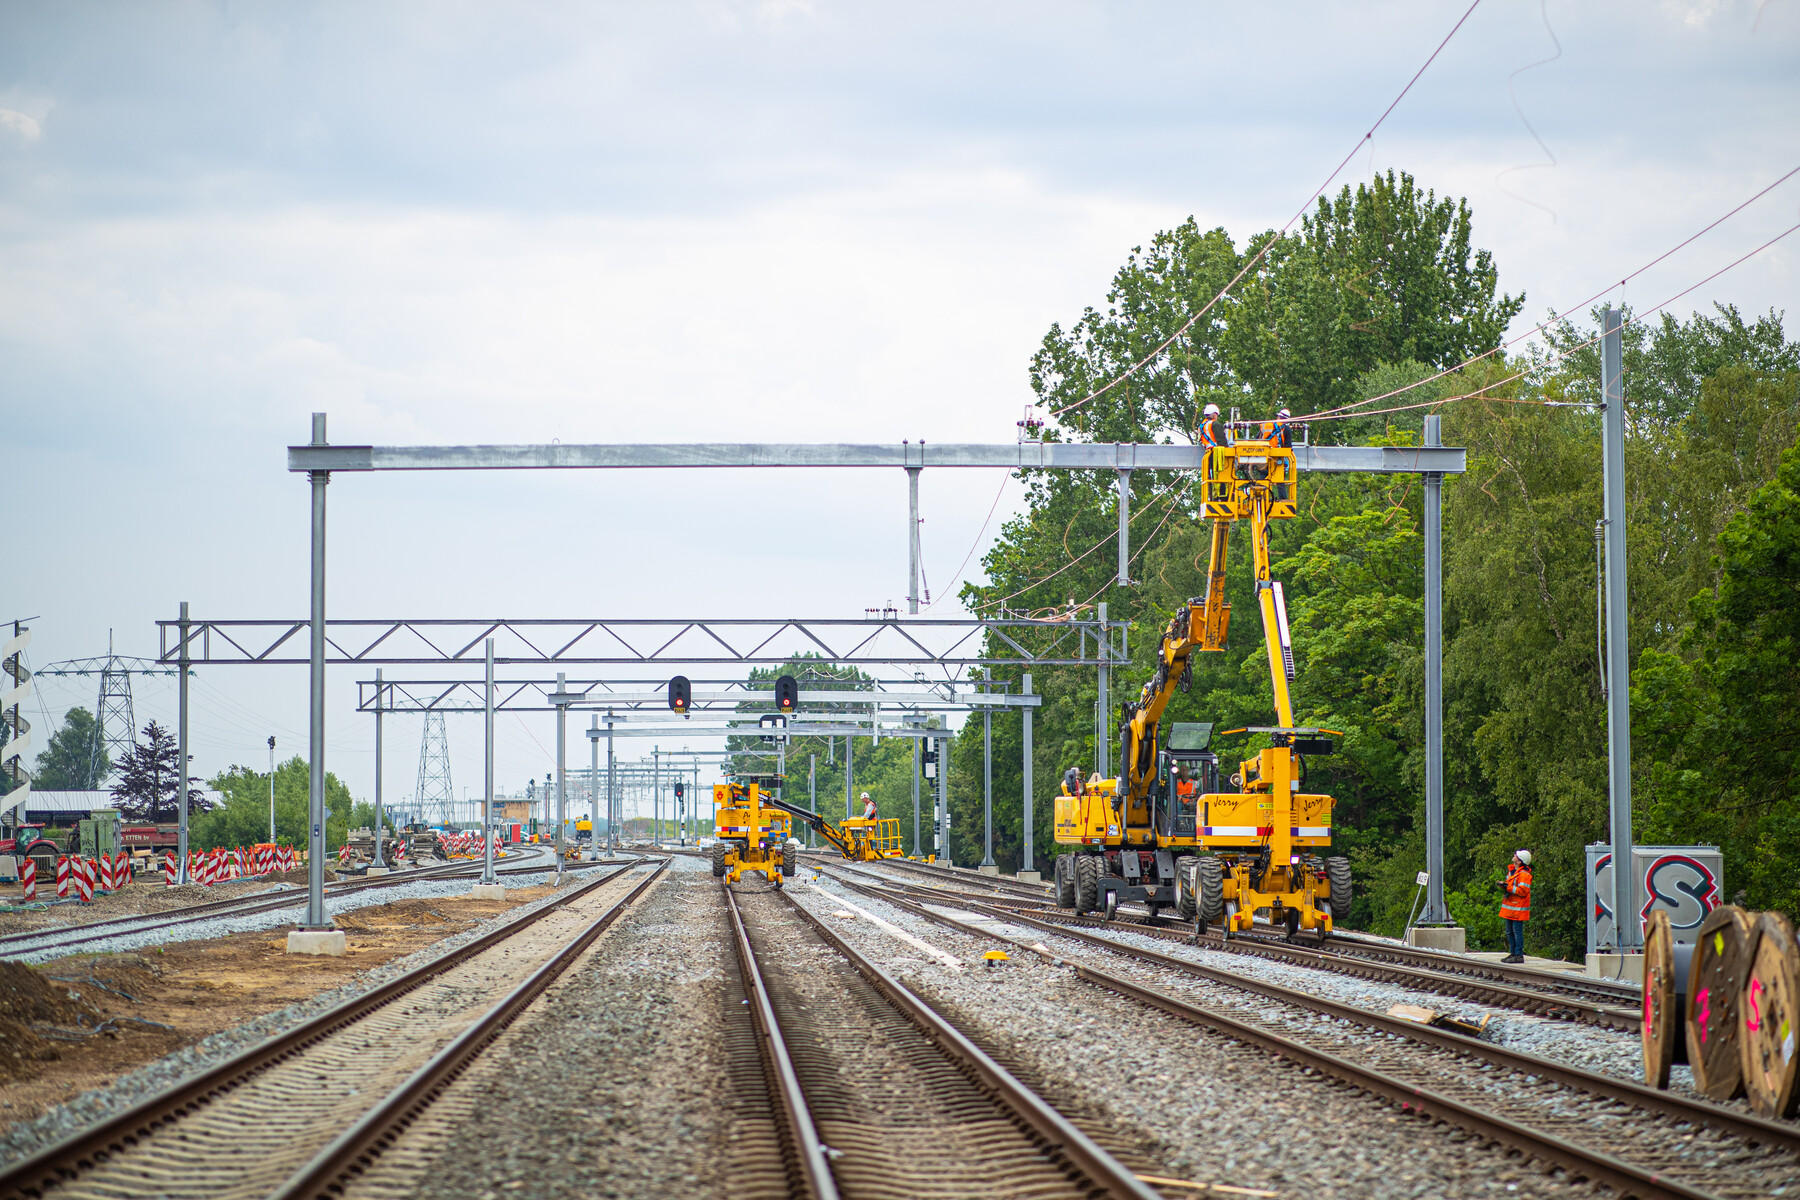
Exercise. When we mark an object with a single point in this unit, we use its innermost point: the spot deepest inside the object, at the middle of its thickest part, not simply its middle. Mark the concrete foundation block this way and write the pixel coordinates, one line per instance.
(328, 942)
(377, 870)
(1030, 877)
(488, 891)
(986, 870)
(1609, 966)
(1453, 938)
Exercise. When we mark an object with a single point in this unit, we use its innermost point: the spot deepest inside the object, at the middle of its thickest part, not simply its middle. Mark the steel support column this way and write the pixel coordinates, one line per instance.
(612, 792)
(562, 771)
(181, 756)
(987, 786)
(912, 540)
(487, 770)
(943, 782)
(1103, 715)
(1436, 912)
(379, 705)
(594, 785)
(1124, 528)
(1618, 645)
(315, 726)
(916, 742)
(1025, 764)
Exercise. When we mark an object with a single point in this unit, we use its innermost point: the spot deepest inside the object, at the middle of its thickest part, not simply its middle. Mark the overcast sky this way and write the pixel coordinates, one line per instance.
(762, 221)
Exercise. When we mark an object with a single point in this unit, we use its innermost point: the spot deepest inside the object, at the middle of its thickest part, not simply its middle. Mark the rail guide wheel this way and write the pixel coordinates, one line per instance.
(1768, 1011)
(1714, 980)
(1112, 905)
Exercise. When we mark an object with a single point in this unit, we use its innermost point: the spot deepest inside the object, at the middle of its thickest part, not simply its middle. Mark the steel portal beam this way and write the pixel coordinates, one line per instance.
(1074, 456)
(895, 641)
(536, 695)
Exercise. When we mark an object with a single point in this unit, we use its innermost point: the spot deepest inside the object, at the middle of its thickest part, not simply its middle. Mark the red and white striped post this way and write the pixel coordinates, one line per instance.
(170, 873)
(62, 875)
(28, 879)
(84, 879)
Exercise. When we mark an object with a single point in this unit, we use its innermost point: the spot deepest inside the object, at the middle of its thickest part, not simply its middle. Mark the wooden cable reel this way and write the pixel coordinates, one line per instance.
(1659, 1034)
(1768, 1011)
(1714, 980)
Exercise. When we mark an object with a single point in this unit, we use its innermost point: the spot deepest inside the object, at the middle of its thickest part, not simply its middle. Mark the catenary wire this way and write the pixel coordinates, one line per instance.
(1554, 316)
(1301, 212)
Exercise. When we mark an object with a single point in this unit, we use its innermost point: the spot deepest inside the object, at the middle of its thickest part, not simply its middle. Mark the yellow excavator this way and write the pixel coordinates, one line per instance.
(1137, 838)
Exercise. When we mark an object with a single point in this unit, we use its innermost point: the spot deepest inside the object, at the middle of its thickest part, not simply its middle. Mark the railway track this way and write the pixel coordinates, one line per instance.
(1592, 1002)
(306, 1111)
(875, 1095)
(58, 937)
(1637, 1140)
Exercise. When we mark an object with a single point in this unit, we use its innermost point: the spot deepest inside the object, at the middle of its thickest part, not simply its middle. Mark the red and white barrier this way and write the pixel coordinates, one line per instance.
(170, 869)
(62, 875)
(84, 881)
(287, 858)
(28, 879)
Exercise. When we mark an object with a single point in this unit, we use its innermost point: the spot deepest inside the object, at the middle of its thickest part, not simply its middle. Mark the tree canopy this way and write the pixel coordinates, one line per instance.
(1383, 288)
(68, 762)
(150, 780)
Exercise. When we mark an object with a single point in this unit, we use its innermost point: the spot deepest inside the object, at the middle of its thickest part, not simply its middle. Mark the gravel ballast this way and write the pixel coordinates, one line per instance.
(1219, 1111)
(92, 1106)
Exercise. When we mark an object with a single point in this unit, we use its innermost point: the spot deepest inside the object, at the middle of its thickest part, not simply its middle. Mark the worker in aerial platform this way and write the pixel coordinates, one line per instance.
(1281, 429)
(1515, 905)
(1213, 432)
(868, 807)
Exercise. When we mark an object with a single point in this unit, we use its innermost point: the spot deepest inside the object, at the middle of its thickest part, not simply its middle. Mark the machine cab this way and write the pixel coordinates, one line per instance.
(1186, 771)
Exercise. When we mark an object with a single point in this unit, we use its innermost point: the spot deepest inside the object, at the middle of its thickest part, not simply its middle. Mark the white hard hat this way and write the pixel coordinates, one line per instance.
(1282, 412)
(1211, 410)
(865, 795)
(1524, 856)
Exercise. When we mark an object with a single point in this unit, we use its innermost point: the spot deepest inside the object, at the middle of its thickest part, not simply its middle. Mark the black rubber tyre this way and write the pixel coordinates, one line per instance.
(718, 860)
(1337, 874)
(1088, 869)
(1185, 904)
(790, 855)
(1065, 880)
(1209, 889)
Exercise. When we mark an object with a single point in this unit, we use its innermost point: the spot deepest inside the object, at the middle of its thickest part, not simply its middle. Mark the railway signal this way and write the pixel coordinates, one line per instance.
(681, 695)
(787, 693)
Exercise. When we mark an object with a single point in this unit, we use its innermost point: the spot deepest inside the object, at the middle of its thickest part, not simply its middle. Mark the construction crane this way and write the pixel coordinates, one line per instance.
(1134, 838)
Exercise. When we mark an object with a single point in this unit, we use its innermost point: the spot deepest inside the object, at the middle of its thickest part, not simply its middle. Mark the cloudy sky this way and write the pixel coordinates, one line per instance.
(758, 221)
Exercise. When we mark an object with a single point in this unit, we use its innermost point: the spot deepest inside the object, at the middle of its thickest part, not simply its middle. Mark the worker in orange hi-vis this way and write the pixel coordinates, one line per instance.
(1515, 905)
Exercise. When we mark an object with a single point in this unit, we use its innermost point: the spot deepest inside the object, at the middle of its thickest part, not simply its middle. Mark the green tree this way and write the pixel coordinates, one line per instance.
(1723, 730)
(150, 780)
(243, 818)
(67, 763)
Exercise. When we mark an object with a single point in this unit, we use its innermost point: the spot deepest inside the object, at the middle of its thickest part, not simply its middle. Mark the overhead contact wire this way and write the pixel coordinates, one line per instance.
(1303, 210)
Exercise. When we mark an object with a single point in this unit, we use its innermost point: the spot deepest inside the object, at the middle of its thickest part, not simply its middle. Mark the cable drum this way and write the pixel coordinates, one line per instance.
(1714, 981)
(1768, 1010)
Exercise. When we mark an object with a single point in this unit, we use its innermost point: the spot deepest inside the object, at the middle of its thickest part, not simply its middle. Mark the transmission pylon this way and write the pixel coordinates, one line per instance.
(115, 724)
(436, 800)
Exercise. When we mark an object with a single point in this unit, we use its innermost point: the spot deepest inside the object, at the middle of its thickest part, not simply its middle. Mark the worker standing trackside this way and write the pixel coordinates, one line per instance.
(1515, 905)
(868, 807)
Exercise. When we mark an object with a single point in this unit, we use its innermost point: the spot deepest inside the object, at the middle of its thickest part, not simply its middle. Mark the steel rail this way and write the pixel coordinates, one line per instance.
(1615, 1173)
(1784, 1135)
(36, 1174)
(236, 906)
(809, 1152)
(1543, 1003)
(1058, 1133)
(354, 1150)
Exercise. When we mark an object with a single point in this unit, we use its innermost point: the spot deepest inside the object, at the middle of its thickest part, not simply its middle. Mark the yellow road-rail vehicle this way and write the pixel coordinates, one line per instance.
(752, 832)
(1163, 833)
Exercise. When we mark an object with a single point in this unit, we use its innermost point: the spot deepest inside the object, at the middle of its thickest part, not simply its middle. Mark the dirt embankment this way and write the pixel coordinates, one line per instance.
(80, 1022)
